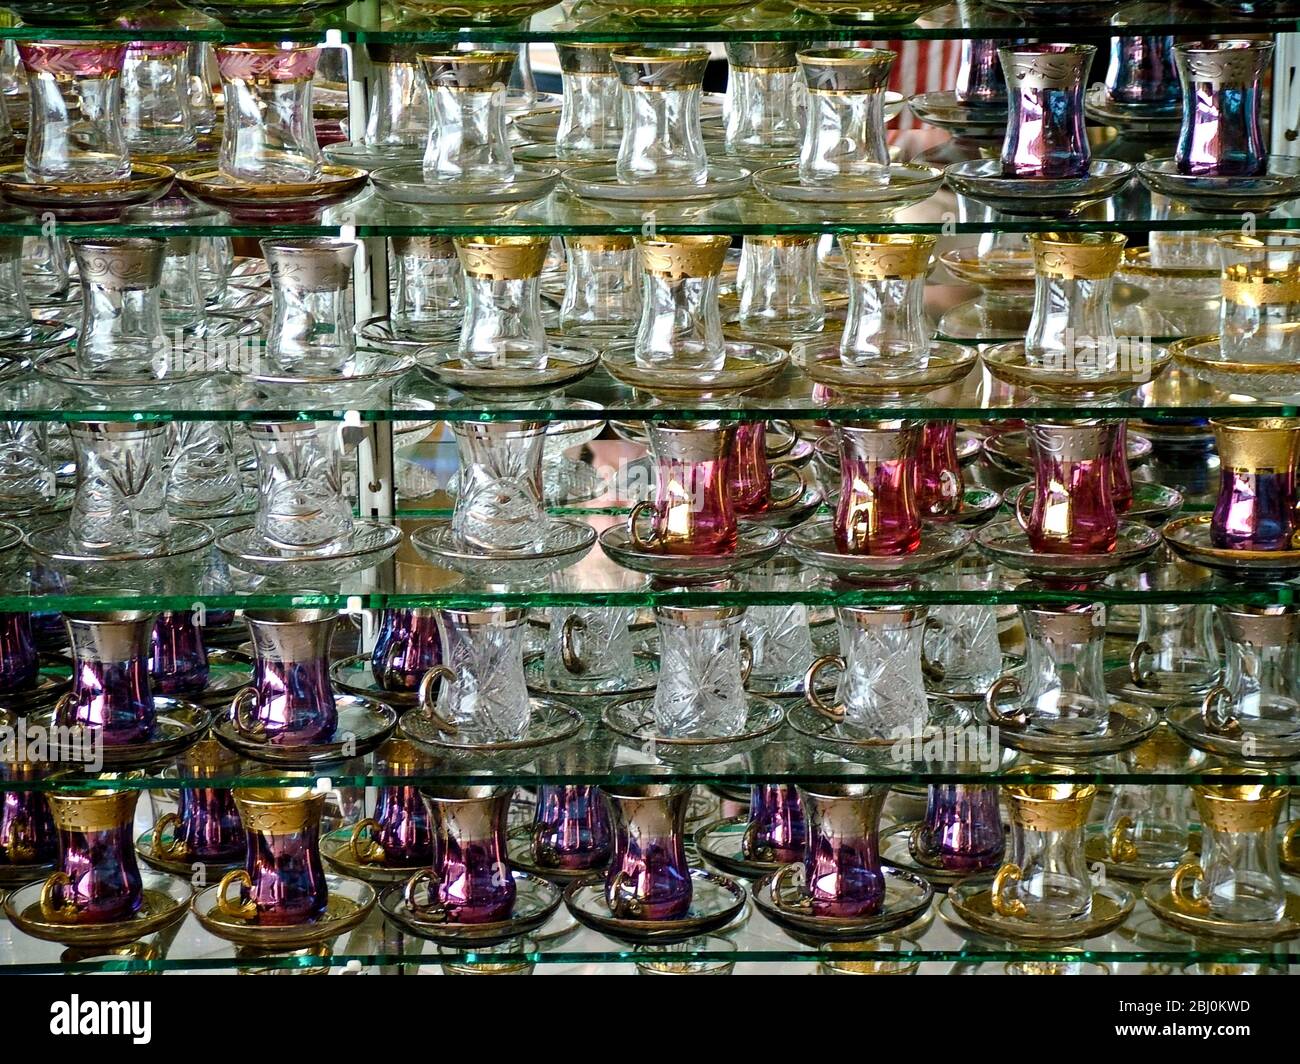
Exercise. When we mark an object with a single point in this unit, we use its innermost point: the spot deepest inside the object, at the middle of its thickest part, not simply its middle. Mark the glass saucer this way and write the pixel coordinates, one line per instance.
(755, 544)
(286, 201)
(164, 901)
(378, 333)
(41, 335)
(633, 718)
(1189, 537)
(896, 851)
(1073, 380)
(1128, 726)
(363, 723)
(1097, 851)
(573, 685)
(50, 683)
(1153, 504)
(907, 896)
(972, 903)
(1007, 271)
(241, 505)
(1202, 357)
(147, 388)
(513, 375)
(550, 722)
(354, 676)
(178, 726)
(58, 544)
(1130, 117)
(181, 866)
(560, 542)
(228, 671)
(675, 13)
(787, 508)
(371, 157)
(746, 367)
(814, 545)
(1251, 748)
(407, 184)
(824, 734)
(1009, 451)
(519, 848)
(978, 507)
(336, 848)
(1158, 896)
(347, 904)
(1119, 682)
(944, 364)
(715, 902)
(983, 181)
(19, 875)
(868, 13)
(368, 544)
(944, 110)
(536, 901)
(720, 843)
(271, 14)
(908, 184)
(1223, 195)
(84, 201)
(1006, 543)
(967, 689)
(599, 182)
(369, 366)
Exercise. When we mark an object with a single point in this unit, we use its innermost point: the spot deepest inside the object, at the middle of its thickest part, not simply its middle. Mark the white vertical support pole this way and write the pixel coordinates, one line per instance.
(1285, 115)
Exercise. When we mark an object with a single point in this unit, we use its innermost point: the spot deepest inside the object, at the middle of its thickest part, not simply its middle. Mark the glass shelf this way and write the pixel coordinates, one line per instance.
(590, 21)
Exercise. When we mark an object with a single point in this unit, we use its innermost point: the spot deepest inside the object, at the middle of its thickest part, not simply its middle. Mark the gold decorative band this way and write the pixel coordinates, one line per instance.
(898, 257)
(601, 242)
(1047, 806)
(92, 810)
(1260, 290)
(1078, 256)
(503, 258)
(279, 810)
(781, 240)
(1257, 445)
(684, 256)
(1239, 806)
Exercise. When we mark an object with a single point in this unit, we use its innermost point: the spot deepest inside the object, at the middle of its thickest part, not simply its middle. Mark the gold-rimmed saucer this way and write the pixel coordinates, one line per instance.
(348, 902)
(160, 858)
(164, 901)
(1128, 369)
(536, 901)
(722, 844)
(746, 366)
(945, 363)
(972, 903)
(290, 201)
(896, 850)
(1158, 895)
(1202, 357)
(519, 847)
(1189, 538)
(85, 200)
(339, 854)
(907, 897)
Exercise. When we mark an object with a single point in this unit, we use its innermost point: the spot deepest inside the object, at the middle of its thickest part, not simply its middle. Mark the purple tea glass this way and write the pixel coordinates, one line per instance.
(178, 660)
(1142, 71)
(1255, 509)
(648, 876)
(981, 81)
(1045, 127)
(110, 676)
(282, 881)
(1222, 83)
(962, 829)
(98, 880)
(693, 511)
(777, 830)
(877, 512)
(27, 835)
(205, 828)
(19, 661)
(571, 827)
(399, 835)
(841, 874)
(470, 881)
(408, 646)
(291, 700)
(938, 475)
(1073, 499)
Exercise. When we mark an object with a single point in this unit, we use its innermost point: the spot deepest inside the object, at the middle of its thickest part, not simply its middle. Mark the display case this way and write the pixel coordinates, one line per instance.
(884, 579)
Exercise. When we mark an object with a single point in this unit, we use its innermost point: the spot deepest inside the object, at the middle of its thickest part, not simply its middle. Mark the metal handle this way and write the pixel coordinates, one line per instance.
(372, 852)
(429, 703)
(395, 653)
(790, 876)
(620, 896)
(1135, 671)
(930, 668)
(1120, 844)
(433, 909)
(1008, 876)
(1229, 726)
(241, 910)
(778, 503)
(573, 627)
(746, 659)
(750, 848)
(652, 541)
(1291, 845)
(1182, 886)
(1016, 497)
(64, 910)
(831, 712)
(244, 708)
(918, 845)
(788, 430)
(174, 850)
(1005, 683)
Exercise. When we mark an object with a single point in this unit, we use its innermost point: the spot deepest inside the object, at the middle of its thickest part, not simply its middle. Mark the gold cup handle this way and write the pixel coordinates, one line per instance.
(176, 850)
(1016, 497)
(1120, 845)
(1140, 677)
(371, 852)
(750, 849)
(61, 710)
(433, 909)
(931, 669)
(1181, 889)
(790, 878)
(429, 703)
(236, 910)
(640, 543)
(573, 627)
(543, 852)
(1008, 876)
(620, 896)
(1004, 684)
(777, 503)
(1228, 725)
(60, 912)
(1291, 846)
(917, 845)
(243, 713)
(832, 712)
(395, 653)
(788, 430)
